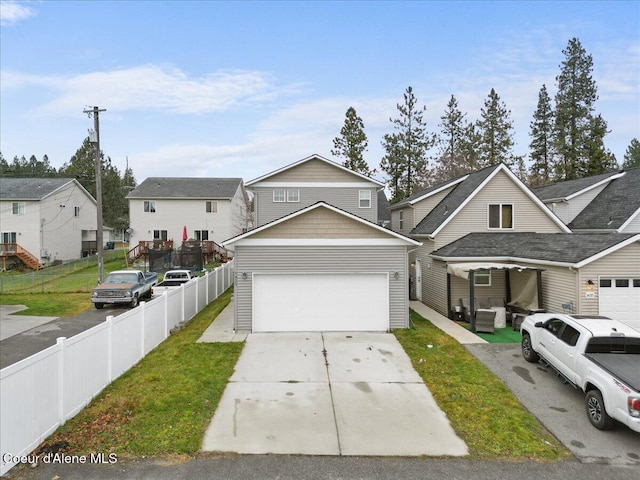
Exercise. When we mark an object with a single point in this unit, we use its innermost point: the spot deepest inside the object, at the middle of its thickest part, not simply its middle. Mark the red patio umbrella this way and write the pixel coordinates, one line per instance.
(184, 234)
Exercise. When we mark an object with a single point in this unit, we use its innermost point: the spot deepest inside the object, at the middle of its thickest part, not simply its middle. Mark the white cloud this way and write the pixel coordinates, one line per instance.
(150, 88)
(12, 12)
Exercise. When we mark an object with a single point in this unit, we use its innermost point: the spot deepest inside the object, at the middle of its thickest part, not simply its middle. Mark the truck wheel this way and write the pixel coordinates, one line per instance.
(528, 352)
(99, 305)
(596, 412)
(134, 301)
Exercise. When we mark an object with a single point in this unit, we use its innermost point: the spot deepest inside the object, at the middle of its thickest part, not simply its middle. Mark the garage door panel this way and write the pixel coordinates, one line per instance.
(320, 302)
(619, 298)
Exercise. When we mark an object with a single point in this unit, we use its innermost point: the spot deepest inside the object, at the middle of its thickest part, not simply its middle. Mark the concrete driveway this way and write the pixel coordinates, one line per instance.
(329, 394)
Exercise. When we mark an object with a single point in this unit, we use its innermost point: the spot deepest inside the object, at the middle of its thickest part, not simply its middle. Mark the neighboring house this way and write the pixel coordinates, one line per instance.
(321, 268)
(46, 220)
(586, 273)
(311, 180)
(490, 200)
(164, 209)
(608, 202)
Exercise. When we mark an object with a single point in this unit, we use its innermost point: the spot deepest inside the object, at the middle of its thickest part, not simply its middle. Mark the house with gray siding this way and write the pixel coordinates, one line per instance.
(308, 181)
(321, 268)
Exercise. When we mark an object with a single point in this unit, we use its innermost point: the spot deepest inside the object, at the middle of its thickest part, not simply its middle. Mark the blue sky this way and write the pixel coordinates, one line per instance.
(238, 89)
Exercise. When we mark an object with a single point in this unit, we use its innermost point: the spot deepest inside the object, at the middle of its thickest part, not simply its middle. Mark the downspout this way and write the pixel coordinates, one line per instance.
(472, 303)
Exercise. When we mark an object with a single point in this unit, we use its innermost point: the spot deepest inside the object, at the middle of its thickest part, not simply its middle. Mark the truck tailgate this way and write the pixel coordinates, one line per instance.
(624, 366)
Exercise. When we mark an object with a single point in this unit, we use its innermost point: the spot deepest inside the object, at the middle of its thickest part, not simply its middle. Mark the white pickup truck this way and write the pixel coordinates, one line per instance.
(596, 354)
(172, 279)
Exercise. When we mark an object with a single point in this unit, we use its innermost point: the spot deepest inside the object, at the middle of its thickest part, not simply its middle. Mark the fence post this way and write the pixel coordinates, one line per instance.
(197, 292)
(165, 301)
(109, 349)
(206, 288)
(142, 313)
(60, 342)
(182, 315)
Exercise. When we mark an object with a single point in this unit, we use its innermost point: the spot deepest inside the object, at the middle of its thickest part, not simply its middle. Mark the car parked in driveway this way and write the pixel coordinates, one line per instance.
(599, 355)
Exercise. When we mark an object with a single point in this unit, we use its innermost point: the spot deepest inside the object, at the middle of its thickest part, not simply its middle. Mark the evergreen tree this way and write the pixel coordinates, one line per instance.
(496, 132)
(632, 155)
(21, 167)
(574, 107)
(541, 134)
(451, 161)
(405, 160)
(470, 146)
(351, 143)
(599, 158)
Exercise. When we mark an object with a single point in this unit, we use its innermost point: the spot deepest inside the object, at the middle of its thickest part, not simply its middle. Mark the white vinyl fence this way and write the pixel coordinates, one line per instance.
(42, 392)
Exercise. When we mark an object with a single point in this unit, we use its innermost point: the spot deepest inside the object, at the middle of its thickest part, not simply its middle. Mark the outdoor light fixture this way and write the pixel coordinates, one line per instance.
(244, 275)
(589, 282)
(396, 275)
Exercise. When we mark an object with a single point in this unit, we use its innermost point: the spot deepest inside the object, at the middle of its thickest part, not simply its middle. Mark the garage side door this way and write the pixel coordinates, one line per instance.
(320, 302)
(620, 300)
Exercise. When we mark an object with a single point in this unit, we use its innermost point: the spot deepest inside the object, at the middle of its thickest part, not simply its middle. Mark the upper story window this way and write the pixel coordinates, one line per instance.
(482, 278)
(201, 235)
(212, 206)
(76, 212)
(150, 206)
(18, 208)
(501, 216)
(401, 219)
(279, 195)
(293, 196)
(364, 198)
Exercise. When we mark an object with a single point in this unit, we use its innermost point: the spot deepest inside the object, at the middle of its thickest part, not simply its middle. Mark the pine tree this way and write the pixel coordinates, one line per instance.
(351, 143)
(599, 158)
(632, 155)
(575, 101)
(496, 132)
(451, 160)
(541, 133)
(405, 160)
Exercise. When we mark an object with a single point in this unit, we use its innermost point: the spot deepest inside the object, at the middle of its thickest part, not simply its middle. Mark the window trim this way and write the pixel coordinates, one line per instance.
(482, 275)
(209, 206)
(76, 212)
(17, 208)
(401, 220)
(500, 212)
(149, 206)
(279, 191)
(297, 196)
(360, 199)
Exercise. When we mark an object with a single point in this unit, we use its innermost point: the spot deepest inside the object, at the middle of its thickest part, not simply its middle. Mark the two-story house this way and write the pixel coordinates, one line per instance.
(45, 220)
(172, 210)
(318, 260)
(485, 235)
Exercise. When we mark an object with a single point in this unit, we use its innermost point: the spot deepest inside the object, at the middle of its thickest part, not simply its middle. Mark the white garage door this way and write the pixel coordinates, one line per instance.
(620, 299)
(320, 302)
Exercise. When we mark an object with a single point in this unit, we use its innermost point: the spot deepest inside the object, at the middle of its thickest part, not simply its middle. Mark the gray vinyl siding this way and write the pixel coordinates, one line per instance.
(634, 225)
(423, 207)
(434, 286)
(559, 286)
(621, 263)
(527, 216)
(300, 259)
(408, 220)
(345, 198)
(577, 204)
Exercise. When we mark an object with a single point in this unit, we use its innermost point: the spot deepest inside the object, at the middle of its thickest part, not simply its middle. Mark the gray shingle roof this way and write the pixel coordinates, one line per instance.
(424, 192)
(453, 200)
(565, 189)
(175, 187)
(554, 247)
(613, 206)
(30, 188)
(384, 213)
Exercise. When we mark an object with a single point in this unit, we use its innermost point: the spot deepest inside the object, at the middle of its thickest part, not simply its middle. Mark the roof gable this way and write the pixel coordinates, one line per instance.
(572, 188)
(464, 192)
(324, 166)
(573, 249)
(337, 224)
(613, 206)
(183, 188)
(428, 192)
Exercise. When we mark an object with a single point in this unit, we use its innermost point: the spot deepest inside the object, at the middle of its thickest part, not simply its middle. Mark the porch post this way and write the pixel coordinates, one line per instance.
(449, 296)
(539, 280)
(472, 303)
(507, 281)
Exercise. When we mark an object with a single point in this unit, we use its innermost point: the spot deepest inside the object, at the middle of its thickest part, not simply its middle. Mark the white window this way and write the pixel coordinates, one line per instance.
(150, 206)
(279, 195)
(212, 206)
(201, 235)
(482, 278)
(293, 196)
(501, 216)
(160, 235)
(18, 208)
(401, 219)
(364, 197)
(76, 212)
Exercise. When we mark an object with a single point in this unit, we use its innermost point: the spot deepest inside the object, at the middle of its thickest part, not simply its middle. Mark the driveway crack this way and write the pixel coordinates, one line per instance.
(333, 405)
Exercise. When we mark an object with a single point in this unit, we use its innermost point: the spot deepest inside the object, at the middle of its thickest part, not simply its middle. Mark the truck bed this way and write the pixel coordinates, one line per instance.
(624, 366)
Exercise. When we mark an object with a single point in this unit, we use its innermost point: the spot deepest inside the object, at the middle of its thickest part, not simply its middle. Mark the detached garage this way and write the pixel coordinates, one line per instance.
(321, 269)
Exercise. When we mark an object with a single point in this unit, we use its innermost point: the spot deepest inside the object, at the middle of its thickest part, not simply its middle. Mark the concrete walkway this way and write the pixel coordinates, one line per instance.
(11, 324)
(221, 329)
(448, 326)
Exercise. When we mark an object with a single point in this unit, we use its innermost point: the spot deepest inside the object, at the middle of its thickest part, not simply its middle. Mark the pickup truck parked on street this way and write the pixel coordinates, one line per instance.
(173, 279)
(599, 355)
(124, 286)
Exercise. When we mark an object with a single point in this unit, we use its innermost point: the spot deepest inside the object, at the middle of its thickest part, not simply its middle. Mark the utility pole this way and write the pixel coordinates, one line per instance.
(94, 137)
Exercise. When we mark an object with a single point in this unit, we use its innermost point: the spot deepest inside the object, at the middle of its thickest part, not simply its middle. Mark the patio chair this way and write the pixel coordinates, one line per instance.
(485, 320)
(464, 303)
